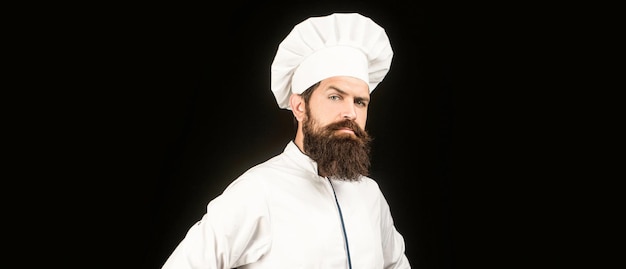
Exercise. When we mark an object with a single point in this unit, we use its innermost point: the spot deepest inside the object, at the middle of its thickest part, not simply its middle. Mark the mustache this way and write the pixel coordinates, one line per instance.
(347, 124)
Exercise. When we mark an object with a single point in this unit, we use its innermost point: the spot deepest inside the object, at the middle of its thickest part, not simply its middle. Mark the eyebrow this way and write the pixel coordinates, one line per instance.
(358, 98)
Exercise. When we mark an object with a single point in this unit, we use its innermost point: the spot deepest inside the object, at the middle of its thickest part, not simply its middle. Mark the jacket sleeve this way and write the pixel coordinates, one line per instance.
(234, 231)
(393, 242)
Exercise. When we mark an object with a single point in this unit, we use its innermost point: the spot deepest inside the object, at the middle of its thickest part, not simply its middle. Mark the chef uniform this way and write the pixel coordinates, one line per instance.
(281, 213)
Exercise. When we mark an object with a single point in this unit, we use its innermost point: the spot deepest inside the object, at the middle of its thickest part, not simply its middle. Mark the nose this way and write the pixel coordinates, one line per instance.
(349, 112)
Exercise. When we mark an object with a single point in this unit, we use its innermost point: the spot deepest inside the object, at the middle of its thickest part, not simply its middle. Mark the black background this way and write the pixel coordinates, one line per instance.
(174, 102)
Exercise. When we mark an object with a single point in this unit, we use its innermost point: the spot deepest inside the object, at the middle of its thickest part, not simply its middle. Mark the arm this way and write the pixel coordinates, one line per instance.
(234, 231)
(392, 240)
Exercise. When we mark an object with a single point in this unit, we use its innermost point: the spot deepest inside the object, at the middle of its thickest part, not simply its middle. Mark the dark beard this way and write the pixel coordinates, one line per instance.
(338, 155)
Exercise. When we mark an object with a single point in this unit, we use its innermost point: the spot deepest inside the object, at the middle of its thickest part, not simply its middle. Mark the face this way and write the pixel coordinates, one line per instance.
(333, 128)
(340, 98)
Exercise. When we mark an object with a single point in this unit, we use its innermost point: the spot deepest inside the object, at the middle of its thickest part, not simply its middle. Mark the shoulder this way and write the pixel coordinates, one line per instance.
(369, 184)
(256, 178)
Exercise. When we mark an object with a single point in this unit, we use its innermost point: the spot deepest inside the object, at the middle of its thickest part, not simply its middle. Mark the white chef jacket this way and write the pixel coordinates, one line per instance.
(282, 214)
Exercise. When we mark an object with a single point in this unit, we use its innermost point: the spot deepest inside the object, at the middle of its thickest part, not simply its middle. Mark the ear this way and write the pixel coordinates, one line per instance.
(296, 102)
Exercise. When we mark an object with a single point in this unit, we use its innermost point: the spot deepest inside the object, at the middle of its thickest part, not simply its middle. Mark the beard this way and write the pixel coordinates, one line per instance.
(341, 156)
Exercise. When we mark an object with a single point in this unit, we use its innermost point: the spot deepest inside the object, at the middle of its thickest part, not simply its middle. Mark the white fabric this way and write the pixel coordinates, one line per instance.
(281, 214)
(329, 62)
(335, 45)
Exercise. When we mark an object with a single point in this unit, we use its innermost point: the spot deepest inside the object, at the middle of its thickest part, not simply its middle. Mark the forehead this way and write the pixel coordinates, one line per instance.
(344, 84)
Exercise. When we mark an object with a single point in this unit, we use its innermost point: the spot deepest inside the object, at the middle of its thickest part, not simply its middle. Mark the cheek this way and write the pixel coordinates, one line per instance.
(361, 123)
(323, 115)
(362, 119)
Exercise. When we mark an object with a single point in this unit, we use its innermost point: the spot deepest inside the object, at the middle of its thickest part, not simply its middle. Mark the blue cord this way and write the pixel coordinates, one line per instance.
(343, 226)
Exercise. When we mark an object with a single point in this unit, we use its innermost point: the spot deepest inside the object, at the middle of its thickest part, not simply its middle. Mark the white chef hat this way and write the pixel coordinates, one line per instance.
(340, 44)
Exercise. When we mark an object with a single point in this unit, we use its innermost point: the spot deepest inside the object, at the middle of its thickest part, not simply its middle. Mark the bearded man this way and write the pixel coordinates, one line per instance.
(334, 137)
(314, 205)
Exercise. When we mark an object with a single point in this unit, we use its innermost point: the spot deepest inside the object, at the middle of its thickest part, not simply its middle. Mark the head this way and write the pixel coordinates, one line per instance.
(331, 118)
(344, 56)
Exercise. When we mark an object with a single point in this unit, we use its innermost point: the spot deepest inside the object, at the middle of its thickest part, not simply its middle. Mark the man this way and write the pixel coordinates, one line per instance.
(312, 206)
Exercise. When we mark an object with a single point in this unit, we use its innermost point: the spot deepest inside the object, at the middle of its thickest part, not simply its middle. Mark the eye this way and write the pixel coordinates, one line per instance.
(334, 97)
(361, 103)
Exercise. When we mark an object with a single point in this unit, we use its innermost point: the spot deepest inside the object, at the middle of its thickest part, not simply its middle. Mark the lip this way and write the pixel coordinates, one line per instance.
(346, 130)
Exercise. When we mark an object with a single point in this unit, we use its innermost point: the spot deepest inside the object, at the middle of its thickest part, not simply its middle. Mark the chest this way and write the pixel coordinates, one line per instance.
(307, 226)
